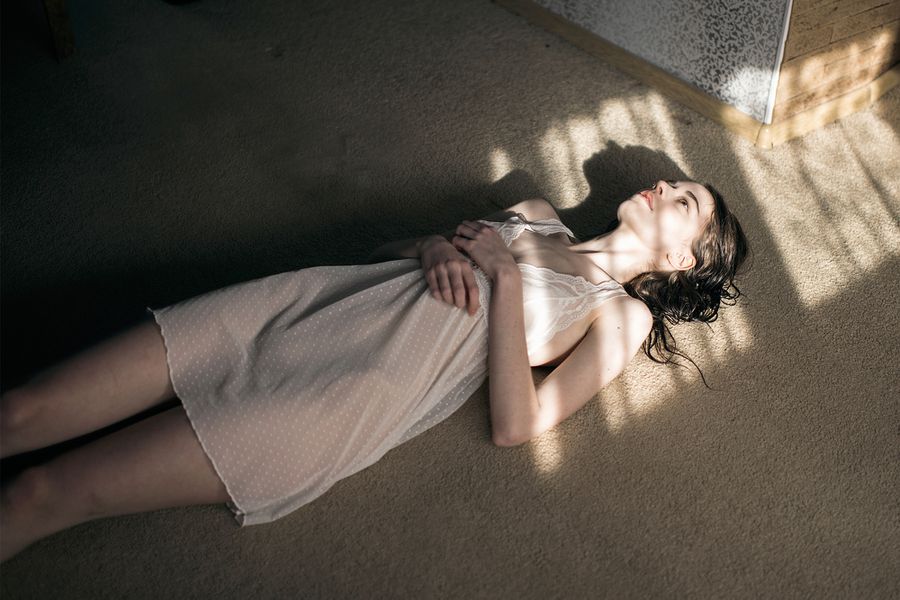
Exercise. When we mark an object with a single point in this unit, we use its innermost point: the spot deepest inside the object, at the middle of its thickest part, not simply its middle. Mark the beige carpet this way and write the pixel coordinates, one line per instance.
(184, 148)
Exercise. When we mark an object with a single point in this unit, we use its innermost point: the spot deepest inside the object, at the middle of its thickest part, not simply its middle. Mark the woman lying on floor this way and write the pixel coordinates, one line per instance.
(291, 382)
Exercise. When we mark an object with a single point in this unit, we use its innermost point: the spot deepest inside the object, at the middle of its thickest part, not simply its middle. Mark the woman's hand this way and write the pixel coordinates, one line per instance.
(485, 246)
(449, 273)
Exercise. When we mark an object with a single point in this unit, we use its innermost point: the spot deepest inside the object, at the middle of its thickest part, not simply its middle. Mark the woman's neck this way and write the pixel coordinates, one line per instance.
(620, 253)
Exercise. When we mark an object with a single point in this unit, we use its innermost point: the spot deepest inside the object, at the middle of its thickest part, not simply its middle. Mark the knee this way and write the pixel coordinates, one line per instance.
(17, 408)
(34, 500)
(30, 490)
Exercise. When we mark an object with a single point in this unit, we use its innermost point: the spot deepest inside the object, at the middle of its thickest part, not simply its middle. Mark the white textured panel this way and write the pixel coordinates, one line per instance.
(728, 48)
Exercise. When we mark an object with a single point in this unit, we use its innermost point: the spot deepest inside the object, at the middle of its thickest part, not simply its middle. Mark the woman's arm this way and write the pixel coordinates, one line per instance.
(611, 341)
(409, 248)
(533, 209)
(513, 399)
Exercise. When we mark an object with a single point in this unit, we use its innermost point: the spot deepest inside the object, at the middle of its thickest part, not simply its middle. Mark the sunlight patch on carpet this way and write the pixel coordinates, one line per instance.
(831, 220)
(557, 153)
(500, 164)
(567, 144)
(547, 451)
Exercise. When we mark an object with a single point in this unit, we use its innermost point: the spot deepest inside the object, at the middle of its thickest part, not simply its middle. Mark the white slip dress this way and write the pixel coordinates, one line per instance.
(297, 380)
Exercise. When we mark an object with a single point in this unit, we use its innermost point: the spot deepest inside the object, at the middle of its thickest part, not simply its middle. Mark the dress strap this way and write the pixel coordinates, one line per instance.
(512, 227)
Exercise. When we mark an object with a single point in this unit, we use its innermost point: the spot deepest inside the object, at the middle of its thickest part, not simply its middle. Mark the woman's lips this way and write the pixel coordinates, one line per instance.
(648, 198)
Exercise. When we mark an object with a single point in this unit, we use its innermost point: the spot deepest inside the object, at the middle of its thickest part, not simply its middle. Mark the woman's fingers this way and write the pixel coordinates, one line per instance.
(457, 284)
(466, 227)
(472, 288)
(453, 280)
(454, 284)
(446, 287)
(465, 288)
(433, 285)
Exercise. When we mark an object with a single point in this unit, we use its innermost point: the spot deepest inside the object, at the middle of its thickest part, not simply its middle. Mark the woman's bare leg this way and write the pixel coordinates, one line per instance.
(111, 381)
(153, 464)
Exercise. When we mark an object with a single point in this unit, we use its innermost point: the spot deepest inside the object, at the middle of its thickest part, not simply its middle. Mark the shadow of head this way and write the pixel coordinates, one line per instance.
(613, 174)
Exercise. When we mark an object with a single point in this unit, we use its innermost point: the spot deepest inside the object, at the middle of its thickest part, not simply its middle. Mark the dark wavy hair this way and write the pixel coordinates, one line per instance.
(696, 293)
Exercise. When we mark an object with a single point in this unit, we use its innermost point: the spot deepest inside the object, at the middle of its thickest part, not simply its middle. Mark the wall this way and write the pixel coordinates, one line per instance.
(834, 47)
(727, 48)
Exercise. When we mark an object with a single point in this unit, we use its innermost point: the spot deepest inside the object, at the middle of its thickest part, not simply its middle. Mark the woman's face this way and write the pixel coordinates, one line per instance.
(668, 218)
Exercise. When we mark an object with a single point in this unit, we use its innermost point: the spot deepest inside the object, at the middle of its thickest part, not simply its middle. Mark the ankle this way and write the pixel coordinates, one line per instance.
(27, 514)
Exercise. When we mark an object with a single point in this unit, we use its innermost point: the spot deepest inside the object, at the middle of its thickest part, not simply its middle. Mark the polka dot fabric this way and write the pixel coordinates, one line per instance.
(297, 380)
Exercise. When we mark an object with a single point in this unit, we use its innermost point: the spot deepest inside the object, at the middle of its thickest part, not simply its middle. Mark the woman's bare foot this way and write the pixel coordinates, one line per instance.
(25, 516)
(153, 464)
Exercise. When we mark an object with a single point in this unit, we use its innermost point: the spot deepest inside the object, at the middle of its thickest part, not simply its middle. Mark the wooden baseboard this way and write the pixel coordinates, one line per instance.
(828, 112)
(740, 123)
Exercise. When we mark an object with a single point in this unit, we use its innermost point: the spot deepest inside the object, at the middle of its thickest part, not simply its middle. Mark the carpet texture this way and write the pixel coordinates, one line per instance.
(186, 147)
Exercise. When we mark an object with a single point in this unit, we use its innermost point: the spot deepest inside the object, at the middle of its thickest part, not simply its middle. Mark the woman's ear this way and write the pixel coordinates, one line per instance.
(681, 259)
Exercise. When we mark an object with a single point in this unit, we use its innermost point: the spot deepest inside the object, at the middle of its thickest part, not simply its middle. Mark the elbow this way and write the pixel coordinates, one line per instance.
(507, 437)
(505, 440)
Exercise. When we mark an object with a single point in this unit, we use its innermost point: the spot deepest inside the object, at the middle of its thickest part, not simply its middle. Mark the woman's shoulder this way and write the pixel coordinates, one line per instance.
(626, 314)
(534, 209)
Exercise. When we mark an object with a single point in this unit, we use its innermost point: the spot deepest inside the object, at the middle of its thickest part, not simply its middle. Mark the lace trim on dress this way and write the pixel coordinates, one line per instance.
(562, 298)
(555, 301)
(510, 229)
